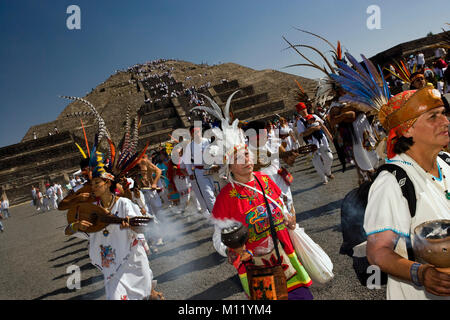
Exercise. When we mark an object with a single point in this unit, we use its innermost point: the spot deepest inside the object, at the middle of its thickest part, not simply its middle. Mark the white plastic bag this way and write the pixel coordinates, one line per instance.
(316, 262)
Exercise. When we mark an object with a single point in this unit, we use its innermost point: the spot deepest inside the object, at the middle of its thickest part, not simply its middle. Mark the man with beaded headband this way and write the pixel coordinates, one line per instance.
(417, 132)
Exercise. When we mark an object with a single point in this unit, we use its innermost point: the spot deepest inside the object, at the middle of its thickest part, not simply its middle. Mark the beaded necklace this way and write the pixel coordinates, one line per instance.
(441, 175)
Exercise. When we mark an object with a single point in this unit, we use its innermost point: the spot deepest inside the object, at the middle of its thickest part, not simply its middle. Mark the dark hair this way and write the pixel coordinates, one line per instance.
(446, 104)
(84, 163)
(403, 144)
(113, 186)
(256, 124)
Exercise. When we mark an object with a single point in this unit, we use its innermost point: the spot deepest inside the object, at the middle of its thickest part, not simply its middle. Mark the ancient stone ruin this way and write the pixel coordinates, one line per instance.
(157, 91)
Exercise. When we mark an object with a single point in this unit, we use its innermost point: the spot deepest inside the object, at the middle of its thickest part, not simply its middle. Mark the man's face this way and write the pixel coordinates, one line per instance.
(430, 129)
(196, 133)
(86, 173)
(419, 83)
(100, 186)
(303, 112)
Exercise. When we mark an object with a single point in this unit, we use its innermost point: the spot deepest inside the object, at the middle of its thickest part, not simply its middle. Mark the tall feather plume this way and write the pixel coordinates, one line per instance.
(216, 111)
(337, 52)
(401, 71)
(326, 88)
(80, 114)
(301, 94)
(365, 90)
(320, 37)
(103, 131)
(228, 105)
(230, 135)
(311, 63)
(124, 152)
(134, 139)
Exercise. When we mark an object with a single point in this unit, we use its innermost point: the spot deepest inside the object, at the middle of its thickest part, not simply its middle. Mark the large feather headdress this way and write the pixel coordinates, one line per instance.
(230, 138)
(326, 88)
(401, 71)
(366, 90)
(117, 162)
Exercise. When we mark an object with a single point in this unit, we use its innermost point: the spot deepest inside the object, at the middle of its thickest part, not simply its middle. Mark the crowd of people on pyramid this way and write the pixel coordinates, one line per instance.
(235, 174)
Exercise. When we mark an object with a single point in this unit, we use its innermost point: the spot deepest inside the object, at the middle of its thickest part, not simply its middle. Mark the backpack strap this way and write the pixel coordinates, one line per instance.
(444, 156)
(408, 192)
(404, 182)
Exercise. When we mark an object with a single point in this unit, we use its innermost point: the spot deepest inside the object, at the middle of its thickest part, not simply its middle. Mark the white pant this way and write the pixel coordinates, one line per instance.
(54, 202)
(152, 201)
(46, 204)
(322, 161)
(184, 189)
(204, 190)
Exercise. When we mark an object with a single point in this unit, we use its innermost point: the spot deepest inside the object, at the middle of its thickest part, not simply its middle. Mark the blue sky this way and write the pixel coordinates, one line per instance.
(41, 58)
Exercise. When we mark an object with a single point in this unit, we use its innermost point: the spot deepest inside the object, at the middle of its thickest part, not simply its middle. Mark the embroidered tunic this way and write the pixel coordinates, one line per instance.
(248, 207)
(121, 257)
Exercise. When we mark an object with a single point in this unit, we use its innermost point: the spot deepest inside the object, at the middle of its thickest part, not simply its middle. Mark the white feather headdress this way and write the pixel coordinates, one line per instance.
(230, 139)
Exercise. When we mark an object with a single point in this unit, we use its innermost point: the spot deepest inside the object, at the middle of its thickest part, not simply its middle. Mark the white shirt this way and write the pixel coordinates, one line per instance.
(194, 154)
(5, 204)
(364, 137)
(387, 209)
(301, 128)
(420, 58)
(121, 250)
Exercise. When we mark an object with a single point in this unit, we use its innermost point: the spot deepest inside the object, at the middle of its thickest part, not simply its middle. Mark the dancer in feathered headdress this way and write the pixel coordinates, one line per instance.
(366, 91)
(239, 203)
(230, 138)
(117, 162)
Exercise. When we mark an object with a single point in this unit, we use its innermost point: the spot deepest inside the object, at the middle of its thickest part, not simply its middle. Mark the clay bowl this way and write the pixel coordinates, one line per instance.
(433, 249)
(234, 236)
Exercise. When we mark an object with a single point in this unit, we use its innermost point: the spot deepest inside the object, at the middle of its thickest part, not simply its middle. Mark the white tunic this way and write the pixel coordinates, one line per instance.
(323, 141)
(121, 257)
(364, 137)
(387, 209)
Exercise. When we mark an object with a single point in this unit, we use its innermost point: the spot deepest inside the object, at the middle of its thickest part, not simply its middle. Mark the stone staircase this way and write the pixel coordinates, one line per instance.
(248, 104)
(36, 162)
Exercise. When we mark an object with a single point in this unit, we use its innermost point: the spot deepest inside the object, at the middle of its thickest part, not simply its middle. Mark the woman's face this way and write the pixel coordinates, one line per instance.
(243, 165)
(430, 129)
(100, 186)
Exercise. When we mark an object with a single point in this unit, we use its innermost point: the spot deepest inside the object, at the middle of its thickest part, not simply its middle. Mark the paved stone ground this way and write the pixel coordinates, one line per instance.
(35, 254)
